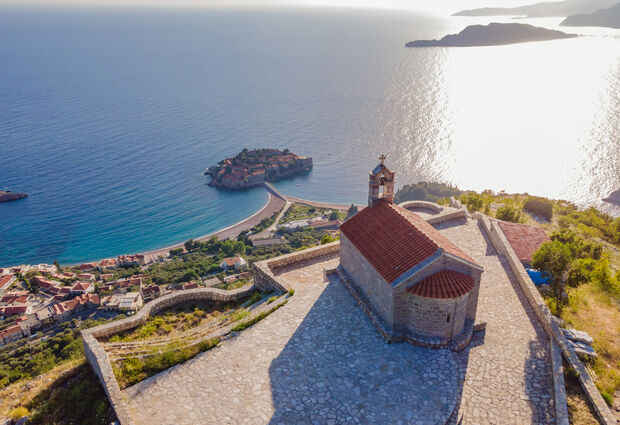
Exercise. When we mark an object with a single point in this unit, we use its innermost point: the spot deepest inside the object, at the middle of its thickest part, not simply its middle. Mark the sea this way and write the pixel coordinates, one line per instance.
(110, 115)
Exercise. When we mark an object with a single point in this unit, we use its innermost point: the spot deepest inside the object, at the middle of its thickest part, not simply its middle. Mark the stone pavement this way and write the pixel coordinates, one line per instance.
(317, 360)
(507, 367)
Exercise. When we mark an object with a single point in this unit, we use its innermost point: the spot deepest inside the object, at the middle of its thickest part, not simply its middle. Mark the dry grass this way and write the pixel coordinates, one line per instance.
(596, 312)
(579, 410)
(23, 392)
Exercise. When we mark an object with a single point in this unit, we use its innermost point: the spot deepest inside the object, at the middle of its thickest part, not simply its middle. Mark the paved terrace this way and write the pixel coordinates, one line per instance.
(319, 360)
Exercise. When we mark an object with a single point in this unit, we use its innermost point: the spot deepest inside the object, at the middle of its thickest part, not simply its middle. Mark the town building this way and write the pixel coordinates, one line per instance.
(6, 281)
(150, 292)
(236, 263)
(80, 288)
(420, 286)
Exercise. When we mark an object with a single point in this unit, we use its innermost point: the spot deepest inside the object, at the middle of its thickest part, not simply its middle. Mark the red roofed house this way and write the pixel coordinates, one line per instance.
(422, 287)
(524, 239)
(88, 266)
(80, 288)
(237, 263)
(5, 281)
(10, 334)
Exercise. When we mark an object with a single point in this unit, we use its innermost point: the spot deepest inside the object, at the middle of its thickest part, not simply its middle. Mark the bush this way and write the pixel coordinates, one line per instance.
(473, 201)
(175, 252)
(18, 413)
(509, 213)
(539, 207)
(425, 191)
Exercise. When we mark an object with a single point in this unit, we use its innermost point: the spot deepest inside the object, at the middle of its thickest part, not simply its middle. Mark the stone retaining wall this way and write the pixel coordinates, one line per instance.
(552, 327)
(264, 271)
(98, 358)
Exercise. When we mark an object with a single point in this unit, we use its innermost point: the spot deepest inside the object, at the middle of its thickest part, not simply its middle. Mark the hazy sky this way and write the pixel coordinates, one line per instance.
(435, 5)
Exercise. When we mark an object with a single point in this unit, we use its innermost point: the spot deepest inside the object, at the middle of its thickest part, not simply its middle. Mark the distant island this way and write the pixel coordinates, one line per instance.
(492, 35)
(545, 9)
(6, 196)
(609, 17)
(252, 168)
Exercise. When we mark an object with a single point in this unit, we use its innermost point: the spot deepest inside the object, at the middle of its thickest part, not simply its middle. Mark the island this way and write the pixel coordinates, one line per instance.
(7, 195)
(544, 9)
(609, 17)
(493, 34)
(254, 167)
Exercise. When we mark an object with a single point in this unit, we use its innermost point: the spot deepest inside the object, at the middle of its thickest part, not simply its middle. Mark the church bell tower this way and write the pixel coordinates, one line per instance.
(380, 183)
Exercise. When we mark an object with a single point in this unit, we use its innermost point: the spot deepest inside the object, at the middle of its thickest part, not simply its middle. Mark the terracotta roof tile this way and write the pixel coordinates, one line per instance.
(524, 239)
(443, 284)
(394, 240)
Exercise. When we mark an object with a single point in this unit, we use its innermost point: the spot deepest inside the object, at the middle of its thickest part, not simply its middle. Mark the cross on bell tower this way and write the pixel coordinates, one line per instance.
(380, 183)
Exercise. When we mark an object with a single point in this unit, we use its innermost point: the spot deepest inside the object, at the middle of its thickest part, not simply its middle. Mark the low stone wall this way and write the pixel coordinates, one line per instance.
(264, 271)
(446, 216)
(98, 358)
(551, 325)
(437, 209)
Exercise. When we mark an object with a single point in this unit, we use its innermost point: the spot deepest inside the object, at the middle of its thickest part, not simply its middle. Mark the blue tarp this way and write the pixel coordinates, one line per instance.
(538, 277)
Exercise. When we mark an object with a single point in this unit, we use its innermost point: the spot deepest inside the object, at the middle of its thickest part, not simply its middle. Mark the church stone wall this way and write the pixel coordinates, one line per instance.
(376, 289)
(433, 317)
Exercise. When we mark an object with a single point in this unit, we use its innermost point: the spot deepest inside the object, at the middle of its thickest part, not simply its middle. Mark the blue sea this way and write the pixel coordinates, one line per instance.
(109, 116)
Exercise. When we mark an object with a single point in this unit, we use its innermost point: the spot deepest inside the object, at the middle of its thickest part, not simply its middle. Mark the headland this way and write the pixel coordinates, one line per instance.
(494, 34)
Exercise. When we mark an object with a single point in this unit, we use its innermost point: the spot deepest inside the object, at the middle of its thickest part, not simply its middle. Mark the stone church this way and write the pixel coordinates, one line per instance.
(416, 285)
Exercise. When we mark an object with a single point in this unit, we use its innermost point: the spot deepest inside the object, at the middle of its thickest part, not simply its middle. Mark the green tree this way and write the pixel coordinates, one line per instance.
(352, 211)
(554, 258)
(333, 215)
(508, 213)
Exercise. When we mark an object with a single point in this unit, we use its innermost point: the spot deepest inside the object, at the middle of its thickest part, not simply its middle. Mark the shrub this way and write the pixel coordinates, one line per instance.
(472, 200)
(256, 296)
(539, 207)
(328, 239)
(291, 292)
(238, 315)
(608, 398)
(175, 252)
(271, 299)
(18, 413)
(509, 213)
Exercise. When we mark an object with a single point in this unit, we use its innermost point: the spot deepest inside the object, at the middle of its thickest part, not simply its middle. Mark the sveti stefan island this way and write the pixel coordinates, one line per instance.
(344, 212)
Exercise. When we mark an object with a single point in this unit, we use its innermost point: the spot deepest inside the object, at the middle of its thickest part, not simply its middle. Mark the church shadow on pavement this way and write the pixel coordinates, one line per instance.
(336, 369)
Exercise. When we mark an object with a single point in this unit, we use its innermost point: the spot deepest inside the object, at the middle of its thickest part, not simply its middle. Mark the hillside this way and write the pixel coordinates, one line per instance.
(609, 17)
(544, 9)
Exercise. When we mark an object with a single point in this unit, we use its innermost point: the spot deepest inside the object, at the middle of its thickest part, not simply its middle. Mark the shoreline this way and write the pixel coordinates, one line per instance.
(274, 203)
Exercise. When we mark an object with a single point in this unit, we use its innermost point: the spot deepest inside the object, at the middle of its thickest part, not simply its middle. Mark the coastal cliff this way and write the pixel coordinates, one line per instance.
(254, 167)
(6, 196)
(492, 35)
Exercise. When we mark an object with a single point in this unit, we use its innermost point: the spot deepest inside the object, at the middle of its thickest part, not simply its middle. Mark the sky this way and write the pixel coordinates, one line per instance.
(434, 5)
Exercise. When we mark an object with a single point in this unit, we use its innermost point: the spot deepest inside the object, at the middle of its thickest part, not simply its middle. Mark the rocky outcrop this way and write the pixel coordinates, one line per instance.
(544, 9)
(6, 196)
(492, 35)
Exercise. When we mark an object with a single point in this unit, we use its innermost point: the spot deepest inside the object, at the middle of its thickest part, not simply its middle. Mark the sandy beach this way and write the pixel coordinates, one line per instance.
(274, 204)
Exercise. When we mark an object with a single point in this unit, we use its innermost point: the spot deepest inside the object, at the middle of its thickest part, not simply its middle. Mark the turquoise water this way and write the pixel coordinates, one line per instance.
(109, 116)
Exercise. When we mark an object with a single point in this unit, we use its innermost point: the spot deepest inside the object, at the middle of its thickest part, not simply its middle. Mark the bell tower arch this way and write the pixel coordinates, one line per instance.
(380, 183)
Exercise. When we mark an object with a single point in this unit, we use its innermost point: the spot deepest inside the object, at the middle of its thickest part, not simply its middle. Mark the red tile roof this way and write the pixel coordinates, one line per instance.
(81, 286)
(394, 239)
(443, 284)
(524, 239)
(5, 279)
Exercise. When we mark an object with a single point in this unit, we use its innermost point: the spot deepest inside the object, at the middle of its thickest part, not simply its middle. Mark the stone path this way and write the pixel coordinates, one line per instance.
(507, 367)
(317, 360)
